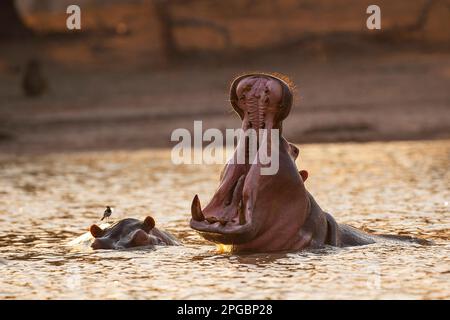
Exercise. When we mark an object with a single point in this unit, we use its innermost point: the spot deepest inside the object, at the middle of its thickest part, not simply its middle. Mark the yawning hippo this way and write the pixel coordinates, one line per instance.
(128, 233)
(255, 212)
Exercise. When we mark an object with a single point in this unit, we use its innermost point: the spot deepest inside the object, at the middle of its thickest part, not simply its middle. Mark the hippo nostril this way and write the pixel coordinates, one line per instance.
(140, 238)
(97, 244)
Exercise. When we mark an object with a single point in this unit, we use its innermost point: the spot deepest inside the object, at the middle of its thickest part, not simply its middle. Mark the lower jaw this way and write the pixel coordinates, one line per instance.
(224, 235)
(250, 241)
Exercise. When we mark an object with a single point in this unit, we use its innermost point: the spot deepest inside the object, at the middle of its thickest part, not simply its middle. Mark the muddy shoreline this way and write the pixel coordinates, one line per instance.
(383, 94)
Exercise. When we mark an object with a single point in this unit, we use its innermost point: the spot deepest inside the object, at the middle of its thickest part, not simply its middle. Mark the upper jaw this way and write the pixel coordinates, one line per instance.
(278, 89)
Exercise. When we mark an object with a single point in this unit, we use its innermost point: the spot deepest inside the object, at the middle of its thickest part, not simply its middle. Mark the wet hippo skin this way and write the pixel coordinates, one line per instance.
(263, 213)
(129, 233)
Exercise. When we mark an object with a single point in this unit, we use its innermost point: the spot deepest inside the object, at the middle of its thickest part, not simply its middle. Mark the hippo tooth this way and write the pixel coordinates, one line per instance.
(196, 210)
(241, 213)
(212, 219)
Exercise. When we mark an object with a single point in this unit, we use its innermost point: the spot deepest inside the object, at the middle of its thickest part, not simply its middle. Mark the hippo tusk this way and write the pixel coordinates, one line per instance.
(196, 210)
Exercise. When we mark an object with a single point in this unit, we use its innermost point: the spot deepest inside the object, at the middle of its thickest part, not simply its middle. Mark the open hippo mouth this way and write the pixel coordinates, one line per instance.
(238, 211)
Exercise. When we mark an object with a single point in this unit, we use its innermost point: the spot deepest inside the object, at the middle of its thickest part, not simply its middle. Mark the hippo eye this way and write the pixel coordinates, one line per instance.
(266, 91)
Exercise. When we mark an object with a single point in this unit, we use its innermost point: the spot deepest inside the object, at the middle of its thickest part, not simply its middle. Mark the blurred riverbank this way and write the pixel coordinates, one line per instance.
(114, 86)
(393, 95)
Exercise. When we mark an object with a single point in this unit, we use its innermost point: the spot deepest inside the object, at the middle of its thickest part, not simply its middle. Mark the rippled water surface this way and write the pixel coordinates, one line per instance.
(46, 201)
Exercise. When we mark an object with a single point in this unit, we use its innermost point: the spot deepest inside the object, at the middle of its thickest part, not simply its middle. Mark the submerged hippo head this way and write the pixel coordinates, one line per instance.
(249, 210)
(126, 233)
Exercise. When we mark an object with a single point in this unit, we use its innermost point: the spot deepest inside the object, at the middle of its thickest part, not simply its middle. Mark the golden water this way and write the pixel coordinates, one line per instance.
(45, 201)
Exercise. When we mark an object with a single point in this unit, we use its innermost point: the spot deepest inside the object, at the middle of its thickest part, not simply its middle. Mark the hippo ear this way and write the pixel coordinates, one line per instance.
(303, 174)
(294, 151)
(96, 231)
(149, 224)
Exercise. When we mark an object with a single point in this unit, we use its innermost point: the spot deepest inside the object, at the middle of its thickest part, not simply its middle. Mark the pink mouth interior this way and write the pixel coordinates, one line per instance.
(231, 206)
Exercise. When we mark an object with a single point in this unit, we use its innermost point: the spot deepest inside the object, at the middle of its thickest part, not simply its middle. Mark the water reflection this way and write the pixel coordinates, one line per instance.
(399, 188)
